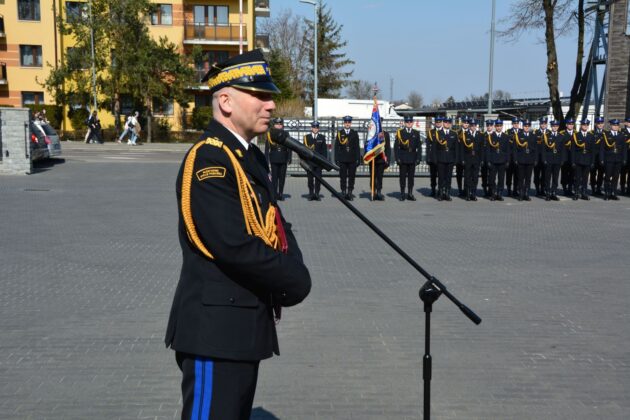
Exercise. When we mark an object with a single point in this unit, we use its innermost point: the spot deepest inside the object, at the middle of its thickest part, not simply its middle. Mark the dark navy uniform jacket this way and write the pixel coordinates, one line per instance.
(525, 148)
(583, 148)
(599, 136)
(445, 146)
(553, 149)
(347, 148)
(471, 151)
(223, 305)
(498, 148)
(407, 147)
(568, 143)
(613, 148)
(429, 145)
(274, 151)
(318, 145)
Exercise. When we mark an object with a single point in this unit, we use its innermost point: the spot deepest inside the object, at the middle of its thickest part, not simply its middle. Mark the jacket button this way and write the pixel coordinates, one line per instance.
(232, 300)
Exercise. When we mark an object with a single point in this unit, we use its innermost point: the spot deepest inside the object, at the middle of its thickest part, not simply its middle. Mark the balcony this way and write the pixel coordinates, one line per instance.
(3, 74)
(262, 42)
(261, 8)
(206, 34)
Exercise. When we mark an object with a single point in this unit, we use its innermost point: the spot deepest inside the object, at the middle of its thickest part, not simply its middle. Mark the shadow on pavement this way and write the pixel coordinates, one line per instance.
(260, 413)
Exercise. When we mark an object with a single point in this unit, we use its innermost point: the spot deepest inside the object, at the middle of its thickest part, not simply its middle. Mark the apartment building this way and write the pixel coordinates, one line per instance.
(30, 42)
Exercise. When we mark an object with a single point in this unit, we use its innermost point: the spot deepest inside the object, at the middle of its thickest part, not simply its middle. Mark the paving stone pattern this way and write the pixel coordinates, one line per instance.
(89, 261)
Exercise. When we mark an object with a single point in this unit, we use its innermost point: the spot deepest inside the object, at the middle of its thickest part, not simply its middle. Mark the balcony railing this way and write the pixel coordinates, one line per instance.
(261, 8)
(262, 42)
(205, 33)
(3, 74)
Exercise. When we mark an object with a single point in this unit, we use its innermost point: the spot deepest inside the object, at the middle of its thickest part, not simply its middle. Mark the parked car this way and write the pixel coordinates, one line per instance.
(45, 141)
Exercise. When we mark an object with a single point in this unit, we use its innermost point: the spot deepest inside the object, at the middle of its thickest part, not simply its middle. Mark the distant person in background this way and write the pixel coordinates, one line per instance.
(91, 124)
(132, 127)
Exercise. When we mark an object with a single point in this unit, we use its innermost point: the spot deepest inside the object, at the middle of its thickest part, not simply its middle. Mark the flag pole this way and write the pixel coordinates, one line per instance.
(373, 178)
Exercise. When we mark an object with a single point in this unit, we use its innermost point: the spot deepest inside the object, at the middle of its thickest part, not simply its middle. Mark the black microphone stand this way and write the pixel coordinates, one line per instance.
(429, 292)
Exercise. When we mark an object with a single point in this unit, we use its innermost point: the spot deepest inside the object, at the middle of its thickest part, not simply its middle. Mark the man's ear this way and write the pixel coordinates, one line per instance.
(224, 100)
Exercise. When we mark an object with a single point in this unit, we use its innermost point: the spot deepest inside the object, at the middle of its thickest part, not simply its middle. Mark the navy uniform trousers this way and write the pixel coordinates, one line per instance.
(216, 388)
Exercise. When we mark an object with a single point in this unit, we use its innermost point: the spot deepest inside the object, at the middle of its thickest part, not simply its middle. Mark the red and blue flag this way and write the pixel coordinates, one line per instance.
(375, 143)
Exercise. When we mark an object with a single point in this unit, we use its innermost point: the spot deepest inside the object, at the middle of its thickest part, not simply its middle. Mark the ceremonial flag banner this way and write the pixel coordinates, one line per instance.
(374, 145)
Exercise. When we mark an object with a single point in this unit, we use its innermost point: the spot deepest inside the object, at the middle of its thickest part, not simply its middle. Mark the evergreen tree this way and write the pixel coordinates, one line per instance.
(330, 59)
(281, 73)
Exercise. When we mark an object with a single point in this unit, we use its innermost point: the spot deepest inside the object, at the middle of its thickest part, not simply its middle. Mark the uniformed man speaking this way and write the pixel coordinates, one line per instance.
(241, 262)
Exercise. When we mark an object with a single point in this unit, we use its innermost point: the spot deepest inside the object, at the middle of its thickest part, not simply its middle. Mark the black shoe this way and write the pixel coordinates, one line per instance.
(554, 197)
(492, 198)
(410, 197)
(575, 197)
(467, 198)
(447, 197)
(614, 197)
(280, 198)
(432, 193)
(473, 197)
(499, 197)
(547, 197)
(311, 197)
(585, 197)
(402, 197)
(380, 197)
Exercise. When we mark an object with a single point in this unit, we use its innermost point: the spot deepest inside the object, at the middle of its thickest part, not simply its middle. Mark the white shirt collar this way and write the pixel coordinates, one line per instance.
(240, 139)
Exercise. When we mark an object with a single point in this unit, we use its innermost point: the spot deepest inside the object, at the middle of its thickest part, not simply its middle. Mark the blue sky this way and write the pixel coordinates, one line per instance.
(440, 48)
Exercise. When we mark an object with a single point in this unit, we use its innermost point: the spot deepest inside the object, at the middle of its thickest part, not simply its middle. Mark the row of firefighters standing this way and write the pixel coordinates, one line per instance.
(570, 157)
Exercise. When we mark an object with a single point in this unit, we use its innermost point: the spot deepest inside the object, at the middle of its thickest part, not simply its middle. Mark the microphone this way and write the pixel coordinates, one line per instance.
(306, 153)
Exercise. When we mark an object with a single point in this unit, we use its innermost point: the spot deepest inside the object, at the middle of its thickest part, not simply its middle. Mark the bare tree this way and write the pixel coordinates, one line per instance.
(287, 34)
(557, 17)
(359, 89)
(436, 102)
(415, 99)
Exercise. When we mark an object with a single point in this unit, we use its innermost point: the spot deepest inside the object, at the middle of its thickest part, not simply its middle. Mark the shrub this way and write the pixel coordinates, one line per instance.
(201, 117)
(78, 117)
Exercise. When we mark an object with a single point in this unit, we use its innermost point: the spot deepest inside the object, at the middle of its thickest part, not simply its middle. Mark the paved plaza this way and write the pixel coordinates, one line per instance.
(89, 262)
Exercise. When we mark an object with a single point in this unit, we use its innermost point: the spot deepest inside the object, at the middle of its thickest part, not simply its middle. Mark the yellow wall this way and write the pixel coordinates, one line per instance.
(43, 33)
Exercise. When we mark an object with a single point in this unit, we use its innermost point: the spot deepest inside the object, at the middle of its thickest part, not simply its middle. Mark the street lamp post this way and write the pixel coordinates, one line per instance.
(93, 61)
(316, 6)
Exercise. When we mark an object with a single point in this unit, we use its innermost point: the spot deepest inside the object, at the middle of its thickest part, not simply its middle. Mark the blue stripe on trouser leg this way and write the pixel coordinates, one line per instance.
(207, 390)
(203, 390)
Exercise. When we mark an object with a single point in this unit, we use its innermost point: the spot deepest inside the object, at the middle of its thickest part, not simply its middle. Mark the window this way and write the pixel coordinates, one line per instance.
(76, 10)
(208, 59)
(28, 10)
(77, 59)
(211, 15)
(163, 15)
(32, 98)
(162, 106)
(31, 55)
(203, 100)
(628, 20)
(126, 104)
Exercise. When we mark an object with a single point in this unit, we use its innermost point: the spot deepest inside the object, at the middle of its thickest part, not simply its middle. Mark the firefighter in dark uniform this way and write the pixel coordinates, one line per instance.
(511, 169)
(347, 156)
(445, 155)
(317, 143)
(525, 152)
(240, 260)
(471, 147)
(553, 156)
(459, 167)
(539, 168)
(407, 151)
(625, 170)
(566, 172)
(278, 156)
(429, 151)
(597, 173)
(582, 158)
(381, 162)
(613, 154)
(484, 165)
(497, 154)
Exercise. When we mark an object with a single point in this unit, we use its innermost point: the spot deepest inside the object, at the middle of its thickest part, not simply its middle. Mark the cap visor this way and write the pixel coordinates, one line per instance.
(267, 87)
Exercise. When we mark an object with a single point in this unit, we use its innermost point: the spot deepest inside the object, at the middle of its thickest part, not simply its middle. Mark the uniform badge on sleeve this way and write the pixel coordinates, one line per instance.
(211, 172)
